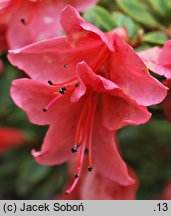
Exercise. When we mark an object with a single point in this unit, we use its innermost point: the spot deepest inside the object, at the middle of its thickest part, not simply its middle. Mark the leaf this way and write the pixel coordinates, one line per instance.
(139, 11)
(100, 17)
(162, 7)
(125, 21)
(156, 37)
(30, 174)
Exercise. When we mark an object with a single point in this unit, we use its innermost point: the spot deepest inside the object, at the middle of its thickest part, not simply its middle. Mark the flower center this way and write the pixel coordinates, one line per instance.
(84, 129)
(83, 137)
(61, 89)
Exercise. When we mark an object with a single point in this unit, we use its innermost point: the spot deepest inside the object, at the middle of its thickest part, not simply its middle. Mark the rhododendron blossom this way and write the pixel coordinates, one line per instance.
(9, 138)
(28, 21)
(85, 85)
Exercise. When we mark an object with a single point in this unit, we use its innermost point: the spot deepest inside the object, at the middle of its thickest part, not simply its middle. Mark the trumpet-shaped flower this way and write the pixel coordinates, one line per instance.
(88, 85)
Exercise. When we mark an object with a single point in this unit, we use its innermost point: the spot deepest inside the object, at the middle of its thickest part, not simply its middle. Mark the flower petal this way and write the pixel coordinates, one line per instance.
(97, 83)
(78, 30)
(97, 187)
(150, 57)
(82, 5)
(158, 59)
(129, 73)
(41, 22)
(106, 156)
(118, 112)
(59, 139)
(45, 60)
(32, 96)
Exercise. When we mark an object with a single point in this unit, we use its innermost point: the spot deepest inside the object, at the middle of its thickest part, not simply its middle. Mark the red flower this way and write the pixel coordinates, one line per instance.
(158, 59)
(28, 21)
(102, 85)
(10, 138)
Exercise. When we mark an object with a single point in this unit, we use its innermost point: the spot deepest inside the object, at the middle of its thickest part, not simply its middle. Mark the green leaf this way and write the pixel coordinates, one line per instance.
(30, 174)
(156, 37)
(125, 21)
(139, 11)
(162, 7)
(100, 17)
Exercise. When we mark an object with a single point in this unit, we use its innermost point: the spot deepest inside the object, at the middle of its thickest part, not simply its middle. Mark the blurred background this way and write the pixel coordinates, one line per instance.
(145, 148)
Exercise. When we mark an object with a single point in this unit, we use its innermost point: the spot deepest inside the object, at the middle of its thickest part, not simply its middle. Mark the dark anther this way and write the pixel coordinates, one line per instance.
(65, 65)
(66, 193)
(44, 109)
(22, 20)
(62, 90)
(50, 82)
(76, 175)
(76, 85)
(90, 168)
(73, 150)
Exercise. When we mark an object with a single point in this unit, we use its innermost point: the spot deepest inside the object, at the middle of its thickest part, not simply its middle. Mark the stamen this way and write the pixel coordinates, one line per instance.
(91, 133)
(44, 109)
(62, 90)
(51, 103)
(76, 175)
(50, 82)
(90, 168)
(75, 149)
(79, 168)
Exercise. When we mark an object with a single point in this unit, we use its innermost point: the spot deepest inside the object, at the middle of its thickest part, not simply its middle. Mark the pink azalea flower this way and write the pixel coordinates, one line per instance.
(98, 84)
(94, 186)
(158, 59)
(28, 21)
(9, 138)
